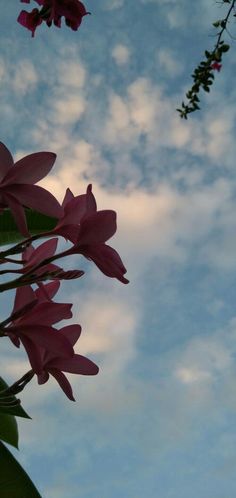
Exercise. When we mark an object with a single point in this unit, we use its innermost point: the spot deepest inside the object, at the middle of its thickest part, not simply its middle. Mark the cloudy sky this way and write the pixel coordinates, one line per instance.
(159, 419)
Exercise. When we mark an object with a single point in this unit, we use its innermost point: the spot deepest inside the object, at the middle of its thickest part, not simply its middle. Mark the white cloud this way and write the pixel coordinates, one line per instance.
(203, 359)
(190, 375)
(113, 4)
(121, 54)
(67, 109)
(24, 78)
(170, 62)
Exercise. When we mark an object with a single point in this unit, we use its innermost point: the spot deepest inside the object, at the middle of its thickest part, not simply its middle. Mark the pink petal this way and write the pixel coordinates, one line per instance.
(107, 260)
(74, 210)
(27, 253)
(46, 269)
(36, 198)
(45, 337)
(43, 377)
(15, 340)
(97, 227)
(6, 161)
(31, 169)
(46, 292)
(91, 201)
(18, 213)
(72, 333)
(23, 296)
(45, 250)
(67, 275)
(69, 232)
(68, 196)
(33, 353)
(63, 383)
(77, 365)
(48, 313)
(22, 311)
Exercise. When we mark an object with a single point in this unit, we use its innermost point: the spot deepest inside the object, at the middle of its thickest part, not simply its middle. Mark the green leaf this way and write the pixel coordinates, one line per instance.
(14, 482)
(15, 410)
(36, 222)
(8, 425)
(225, 48)
(8, 430)
(10, 405)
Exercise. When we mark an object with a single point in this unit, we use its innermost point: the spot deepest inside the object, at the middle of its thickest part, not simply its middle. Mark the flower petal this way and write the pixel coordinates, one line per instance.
(45, 250)
(74, 210)
(36, 198)
(72, 333)
(48, 313)
(69, 232)
(23, 296)
(97, 227)
(33, 352)
(68, 197)
(63, 383)
(6, 161)
(18, 213)
(107, 260)
(46, 292)
(45, 337)
(31, 169)
(43, 377)
(91, 201)
(77, 365)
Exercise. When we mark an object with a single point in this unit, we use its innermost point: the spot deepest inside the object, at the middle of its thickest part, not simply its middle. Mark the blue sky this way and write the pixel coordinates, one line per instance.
(159, 419)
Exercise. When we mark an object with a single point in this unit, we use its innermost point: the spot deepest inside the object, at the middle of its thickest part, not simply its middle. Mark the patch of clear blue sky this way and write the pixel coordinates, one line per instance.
(160, 447)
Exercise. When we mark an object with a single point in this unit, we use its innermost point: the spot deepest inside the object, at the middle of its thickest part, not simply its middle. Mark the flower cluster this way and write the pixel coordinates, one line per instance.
(52, 11)
(34, 315)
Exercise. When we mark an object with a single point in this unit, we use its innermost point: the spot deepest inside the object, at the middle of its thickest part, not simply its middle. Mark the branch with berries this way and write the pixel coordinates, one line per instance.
(203, 75)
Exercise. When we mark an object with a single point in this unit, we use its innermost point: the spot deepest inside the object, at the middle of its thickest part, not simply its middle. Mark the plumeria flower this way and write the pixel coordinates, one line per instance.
(216, 66)
(75, 208)
(33, 262)
(52, 11)
(30, 20)
(89, 229)
(95, 229)
(18, 189)
(55, 365)
(25, 328)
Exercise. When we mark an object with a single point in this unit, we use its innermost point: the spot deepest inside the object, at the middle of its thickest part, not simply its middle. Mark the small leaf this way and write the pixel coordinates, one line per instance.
(36, 222)
(13, 406)
(225, 48)
(8, 430)
(14, 482)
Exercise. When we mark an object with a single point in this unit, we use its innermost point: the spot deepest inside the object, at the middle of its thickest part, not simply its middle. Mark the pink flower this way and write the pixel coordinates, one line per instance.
(56, 365)
(215, 65)
(30, 20)
(89, 229)
(75, 208)
(53, 11)
(26, 329)
(17, 187)
(95, 229)
(34, 257)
